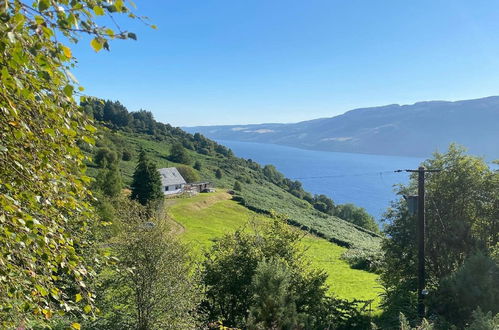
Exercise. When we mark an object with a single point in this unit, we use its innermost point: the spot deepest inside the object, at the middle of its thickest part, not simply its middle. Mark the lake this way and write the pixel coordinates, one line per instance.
(364, 180)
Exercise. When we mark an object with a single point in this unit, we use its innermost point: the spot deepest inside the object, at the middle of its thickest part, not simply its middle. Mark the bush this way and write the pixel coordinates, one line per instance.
(178, 154)
(105, 157)
(126, 155)
(188, 173)
(475, 284)
(237, 186)
(483, 321)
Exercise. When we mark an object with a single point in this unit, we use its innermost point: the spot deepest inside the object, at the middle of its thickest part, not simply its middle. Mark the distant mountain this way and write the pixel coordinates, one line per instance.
(408, 130)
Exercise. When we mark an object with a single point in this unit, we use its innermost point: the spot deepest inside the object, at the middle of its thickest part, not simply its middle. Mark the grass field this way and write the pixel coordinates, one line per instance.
(202, 218)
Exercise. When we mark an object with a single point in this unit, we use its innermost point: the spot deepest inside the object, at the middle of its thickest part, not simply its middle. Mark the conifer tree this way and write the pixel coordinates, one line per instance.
(146, 185)
(109, 181)
(274, 304)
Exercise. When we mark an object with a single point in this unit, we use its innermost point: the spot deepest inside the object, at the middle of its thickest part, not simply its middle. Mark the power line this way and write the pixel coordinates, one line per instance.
(344, 175)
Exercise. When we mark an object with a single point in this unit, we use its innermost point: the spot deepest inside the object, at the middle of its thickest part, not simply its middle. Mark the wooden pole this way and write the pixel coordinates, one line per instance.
(421, 241)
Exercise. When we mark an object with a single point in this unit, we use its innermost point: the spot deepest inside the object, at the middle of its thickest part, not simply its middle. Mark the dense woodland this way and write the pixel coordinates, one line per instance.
(84, 237)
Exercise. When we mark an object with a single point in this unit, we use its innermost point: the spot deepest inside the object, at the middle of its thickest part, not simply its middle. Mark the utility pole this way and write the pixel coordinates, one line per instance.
(421, 236)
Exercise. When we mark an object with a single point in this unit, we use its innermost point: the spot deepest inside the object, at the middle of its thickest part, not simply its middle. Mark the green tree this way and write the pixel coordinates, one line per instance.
(272, 174)
(218, 173)
(197, 165)
(483, 321)
(105, 157)
(474, 285)
(109, 181)
(178, 154)
(461, 219)
(153, 285)
(237, 186)
(274, 304)
(44, 210)
(126, 155)
(146, 184)
(232, 263)
(356, 215)
(188, 173)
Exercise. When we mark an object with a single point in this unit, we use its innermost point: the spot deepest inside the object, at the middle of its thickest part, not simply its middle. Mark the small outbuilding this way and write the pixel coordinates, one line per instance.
(172, 181)
(197, 187)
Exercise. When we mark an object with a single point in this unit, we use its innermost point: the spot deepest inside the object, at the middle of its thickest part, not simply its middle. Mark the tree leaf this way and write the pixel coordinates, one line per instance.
(96, 44)
(66, 51)
(76, 326)
(43, 4)
(68, 90)
(98, 10)
(132, 35)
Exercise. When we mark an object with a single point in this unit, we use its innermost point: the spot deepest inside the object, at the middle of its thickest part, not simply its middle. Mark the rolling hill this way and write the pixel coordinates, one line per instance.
(203, 218)
(123, 133)
(407, 130)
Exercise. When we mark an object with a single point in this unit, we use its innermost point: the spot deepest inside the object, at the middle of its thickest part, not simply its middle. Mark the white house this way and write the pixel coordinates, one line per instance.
(171, 181)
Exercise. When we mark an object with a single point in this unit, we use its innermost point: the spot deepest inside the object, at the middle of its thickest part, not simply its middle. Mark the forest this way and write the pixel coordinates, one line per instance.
(86, 240)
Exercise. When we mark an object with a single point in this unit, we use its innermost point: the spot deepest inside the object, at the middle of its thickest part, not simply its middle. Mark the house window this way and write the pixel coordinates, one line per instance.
(166, 188)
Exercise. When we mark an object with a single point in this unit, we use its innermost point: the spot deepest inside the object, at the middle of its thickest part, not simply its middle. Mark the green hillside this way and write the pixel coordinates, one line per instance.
(262, 190)
(202, 218)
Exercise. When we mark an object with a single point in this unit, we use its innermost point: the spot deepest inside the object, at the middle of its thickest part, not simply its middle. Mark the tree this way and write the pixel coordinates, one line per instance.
(109, 181)
(146, 184)
(474, 285)
(461, 219)
(126, 155)
(237, 186)
(105, 157)
(356, 215)
(274, 304)
(178, 154)
(323, 204)
(272, 174)
(218, 173)
(44, 203)
(155, 286)
(230, 267)
(188, 173)
(197, 165)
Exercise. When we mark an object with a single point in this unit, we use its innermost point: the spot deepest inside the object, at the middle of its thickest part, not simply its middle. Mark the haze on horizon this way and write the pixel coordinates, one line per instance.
(225, 62)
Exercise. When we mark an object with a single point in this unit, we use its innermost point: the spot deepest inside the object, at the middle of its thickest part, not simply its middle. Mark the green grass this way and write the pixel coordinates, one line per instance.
(257, 192)
(205, 217)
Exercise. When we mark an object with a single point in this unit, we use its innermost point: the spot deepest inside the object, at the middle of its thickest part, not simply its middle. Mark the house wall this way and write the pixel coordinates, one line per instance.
(174, 189)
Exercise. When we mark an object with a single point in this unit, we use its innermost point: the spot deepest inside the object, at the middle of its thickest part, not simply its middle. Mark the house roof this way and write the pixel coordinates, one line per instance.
(170, 176)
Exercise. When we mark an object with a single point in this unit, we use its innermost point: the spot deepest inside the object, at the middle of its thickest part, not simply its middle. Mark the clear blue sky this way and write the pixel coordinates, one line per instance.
(254, 61)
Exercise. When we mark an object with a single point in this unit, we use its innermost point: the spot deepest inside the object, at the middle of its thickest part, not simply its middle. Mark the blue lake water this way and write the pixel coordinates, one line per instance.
(364, 180)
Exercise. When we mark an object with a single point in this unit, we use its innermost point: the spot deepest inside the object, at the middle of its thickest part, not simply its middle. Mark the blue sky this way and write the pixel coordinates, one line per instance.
(255, 61)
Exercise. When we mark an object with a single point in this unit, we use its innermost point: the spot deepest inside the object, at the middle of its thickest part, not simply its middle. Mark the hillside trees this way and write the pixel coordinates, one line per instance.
(259, 278)
(146, 184)
(188, 173)
(461, 219)
(44, 209)
(152, 285)
(178, 154)
(356, 215)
